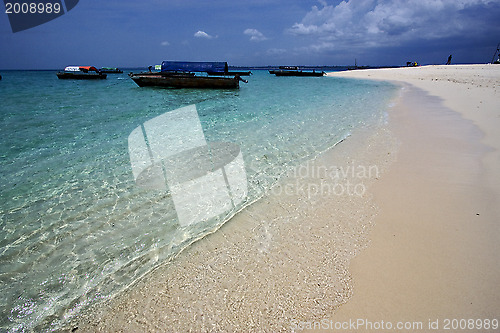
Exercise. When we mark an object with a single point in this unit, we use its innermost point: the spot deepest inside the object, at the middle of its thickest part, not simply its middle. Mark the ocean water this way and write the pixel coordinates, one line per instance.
(77, 226)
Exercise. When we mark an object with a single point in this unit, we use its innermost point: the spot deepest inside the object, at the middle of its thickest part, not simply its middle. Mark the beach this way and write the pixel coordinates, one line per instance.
(434, 258)
(396, 226)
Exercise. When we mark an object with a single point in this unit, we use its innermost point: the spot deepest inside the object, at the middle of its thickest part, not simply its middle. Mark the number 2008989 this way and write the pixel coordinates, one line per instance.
(32, 8)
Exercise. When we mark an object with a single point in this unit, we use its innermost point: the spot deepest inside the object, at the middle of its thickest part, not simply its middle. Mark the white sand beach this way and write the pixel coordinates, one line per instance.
(435, 248)
(420, 245)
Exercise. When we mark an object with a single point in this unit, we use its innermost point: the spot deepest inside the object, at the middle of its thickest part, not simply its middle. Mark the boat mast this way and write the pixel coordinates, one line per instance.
(494, 54)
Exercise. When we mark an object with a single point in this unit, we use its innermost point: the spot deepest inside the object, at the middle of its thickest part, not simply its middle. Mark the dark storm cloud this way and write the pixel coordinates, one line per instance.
(377, 25)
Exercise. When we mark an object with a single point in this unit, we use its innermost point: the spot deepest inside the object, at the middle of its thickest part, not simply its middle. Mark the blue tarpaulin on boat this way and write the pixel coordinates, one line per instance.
(191, 66)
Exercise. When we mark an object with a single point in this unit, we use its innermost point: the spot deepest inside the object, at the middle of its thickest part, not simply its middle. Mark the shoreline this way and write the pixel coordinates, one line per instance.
(434, 251)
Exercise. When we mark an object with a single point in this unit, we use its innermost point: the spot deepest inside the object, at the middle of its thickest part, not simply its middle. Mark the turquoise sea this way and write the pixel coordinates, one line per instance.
(77, 228)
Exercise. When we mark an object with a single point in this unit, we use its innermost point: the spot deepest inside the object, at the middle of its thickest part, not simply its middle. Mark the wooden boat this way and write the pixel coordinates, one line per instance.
(178, 74)
(234, 73)
(81, 73)
(184, 80)
(111, 70)
(297, 73)
(294, 71)
(353, 68)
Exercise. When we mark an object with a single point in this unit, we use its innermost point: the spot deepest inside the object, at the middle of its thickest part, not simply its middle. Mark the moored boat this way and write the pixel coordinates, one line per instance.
(181, 74)
(232, 73)
(294, 71)
(184, 81)
(81, 73)
(111, 70)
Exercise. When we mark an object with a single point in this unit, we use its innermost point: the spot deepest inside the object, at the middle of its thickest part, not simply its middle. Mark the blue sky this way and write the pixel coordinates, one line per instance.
(133, 33)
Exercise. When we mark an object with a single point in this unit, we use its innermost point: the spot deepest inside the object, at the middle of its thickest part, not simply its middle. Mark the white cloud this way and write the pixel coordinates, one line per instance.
(202, 34)
(367, 23)
(164, 43)
(255, 35)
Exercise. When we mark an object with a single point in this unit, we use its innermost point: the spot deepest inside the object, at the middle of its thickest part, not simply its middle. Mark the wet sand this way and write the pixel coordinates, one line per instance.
(417, 238)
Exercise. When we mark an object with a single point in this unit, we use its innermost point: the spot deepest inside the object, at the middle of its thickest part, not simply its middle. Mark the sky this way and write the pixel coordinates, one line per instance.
(139, 33)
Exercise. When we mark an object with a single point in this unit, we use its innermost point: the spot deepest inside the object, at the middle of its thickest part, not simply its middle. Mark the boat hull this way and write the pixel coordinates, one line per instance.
(81, 76)
(185, 81)
(248, 73)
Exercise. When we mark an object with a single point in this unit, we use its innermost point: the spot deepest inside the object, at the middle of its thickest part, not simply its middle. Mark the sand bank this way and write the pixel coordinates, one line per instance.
(435, 250)
(421, 229)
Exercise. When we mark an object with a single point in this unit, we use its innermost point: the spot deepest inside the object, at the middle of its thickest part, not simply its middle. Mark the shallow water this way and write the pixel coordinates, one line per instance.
(76, 226)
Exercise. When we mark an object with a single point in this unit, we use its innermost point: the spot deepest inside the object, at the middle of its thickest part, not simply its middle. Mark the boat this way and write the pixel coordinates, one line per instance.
(182, 74)
(294, 71)
(81, 73)
(184, 80)
(232, 73)
(357, 67)
(111, 70)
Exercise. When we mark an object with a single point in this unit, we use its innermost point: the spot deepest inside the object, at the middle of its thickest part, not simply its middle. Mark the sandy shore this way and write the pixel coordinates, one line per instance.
(417, 240)
(435, 250)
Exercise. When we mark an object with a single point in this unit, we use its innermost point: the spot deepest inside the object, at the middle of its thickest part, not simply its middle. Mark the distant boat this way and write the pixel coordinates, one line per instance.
(352, 68)
(81, 73)
(181, 74)
(357, 67)
(233, 73)
(111, 70)
(294, 71)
